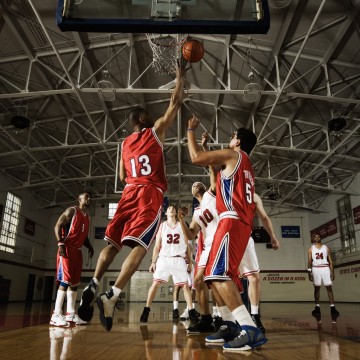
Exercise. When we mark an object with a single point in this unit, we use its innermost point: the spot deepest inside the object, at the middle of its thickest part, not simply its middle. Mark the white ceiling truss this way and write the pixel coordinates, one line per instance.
(307, 66)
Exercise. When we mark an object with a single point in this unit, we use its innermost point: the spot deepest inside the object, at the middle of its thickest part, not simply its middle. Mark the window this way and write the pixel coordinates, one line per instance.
(10, 223)
(112, 209)
(346, 220)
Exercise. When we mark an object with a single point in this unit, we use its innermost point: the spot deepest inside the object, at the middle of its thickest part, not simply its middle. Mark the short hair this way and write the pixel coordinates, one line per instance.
(135, 114)
(247, 139)
(83, 193)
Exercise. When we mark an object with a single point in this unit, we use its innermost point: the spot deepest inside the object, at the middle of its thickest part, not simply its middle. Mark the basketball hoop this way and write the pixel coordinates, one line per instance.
(279, 4)
(166, 51)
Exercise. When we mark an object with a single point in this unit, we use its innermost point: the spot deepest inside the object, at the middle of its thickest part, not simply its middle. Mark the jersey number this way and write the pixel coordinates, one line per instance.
(319, 256)
(249, 196)
(206, 218)
(144, 162)
(173, 238)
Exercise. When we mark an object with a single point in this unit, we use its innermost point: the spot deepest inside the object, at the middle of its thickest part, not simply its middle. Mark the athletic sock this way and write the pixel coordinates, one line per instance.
(226, 314)
(60, 297)
(242, 316)
(70, 301)
(254, 309)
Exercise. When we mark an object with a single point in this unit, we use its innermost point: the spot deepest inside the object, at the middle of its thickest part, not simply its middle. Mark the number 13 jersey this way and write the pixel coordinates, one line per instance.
(143, 158)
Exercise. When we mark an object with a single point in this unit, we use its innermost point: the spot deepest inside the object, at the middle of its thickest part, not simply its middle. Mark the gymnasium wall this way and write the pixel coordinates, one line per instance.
(283, 272)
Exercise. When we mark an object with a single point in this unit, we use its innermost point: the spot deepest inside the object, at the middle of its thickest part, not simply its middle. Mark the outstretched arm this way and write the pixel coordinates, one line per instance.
(163, 123)
(200, 157)
(212, 169)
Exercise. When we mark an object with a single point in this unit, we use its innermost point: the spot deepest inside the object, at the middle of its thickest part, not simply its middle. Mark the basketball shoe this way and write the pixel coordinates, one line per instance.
(106, 303)
(176, 315)
(73, 318)
(86, 307)
(316, 310)
(227, 332)
(58, 320)
(204, 326)
(334, 311)
(185, 315)
(145, 315)
(249, 338)
(256, 319)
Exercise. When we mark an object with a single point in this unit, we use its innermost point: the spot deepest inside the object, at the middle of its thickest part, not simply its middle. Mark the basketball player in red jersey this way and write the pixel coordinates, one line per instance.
(236, 208)
(138, 214)
(71, 231)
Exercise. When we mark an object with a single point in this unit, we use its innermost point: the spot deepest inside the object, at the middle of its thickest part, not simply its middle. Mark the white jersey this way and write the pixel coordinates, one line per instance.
(207, 216)
(172, 240)
(319, 256)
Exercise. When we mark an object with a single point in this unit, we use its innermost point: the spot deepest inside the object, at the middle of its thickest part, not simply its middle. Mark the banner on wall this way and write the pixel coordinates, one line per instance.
(100, 232)
(356, 213)
(290, 231)
(29, 227)
(327, 229)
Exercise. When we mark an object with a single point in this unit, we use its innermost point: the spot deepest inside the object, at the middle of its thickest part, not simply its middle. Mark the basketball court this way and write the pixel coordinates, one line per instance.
(293, 334)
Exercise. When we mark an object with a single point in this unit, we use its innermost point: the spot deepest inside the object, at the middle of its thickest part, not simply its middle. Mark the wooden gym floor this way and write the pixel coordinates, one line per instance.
(291, 331)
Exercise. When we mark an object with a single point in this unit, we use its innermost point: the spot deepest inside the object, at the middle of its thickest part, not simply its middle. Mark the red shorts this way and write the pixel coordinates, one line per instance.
(228, 247)
(137, 217)
(68, 269)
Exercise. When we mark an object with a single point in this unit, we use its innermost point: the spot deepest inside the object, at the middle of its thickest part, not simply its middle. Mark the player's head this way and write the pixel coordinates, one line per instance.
(243, 138)
(84, 198)
(316, 238)
(140, 117)
(198, 188)
(171, 211)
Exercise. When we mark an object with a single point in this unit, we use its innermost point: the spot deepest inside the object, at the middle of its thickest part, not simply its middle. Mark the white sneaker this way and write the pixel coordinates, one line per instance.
(185, 315)
(74, 318)
(58, 320)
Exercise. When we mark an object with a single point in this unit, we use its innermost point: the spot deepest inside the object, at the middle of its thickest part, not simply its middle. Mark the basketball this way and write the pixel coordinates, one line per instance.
(193, 51)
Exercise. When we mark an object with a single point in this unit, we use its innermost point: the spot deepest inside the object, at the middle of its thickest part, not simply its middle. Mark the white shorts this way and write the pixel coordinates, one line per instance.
(171, 266)
(321, 274)
(249, 263)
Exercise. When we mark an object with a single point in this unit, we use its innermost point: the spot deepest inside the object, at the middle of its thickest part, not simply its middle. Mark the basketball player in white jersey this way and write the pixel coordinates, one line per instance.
(170, 258)
(205, 219)
(321, 270)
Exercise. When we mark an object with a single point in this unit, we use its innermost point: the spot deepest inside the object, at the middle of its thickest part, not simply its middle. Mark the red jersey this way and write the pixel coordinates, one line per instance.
(77, 232)
(143, 158)
(236, 192)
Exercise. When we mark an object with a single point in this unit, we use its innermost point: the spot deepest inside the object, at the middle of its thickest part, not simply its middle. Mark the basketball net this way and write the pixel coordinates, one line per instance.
(166, 51)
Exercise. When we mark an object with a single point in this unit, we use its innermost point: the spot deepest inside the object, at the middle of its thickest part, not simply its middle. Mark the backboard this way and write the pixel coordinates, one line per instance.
(164, 16)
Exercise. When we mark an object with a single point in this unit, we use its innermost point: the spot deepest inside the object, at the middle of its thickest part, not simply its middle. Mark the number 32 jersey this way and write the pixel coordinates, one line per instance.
(172, 240)
(143, 158)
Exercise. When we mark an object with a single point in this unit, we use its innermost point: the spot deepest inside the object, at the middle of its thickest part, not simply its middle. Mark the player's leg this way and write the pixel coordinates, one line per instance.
(106, 302)
(205, 324)
(86, 307)
(176, 293)
(57, 318)
(151, 295)
(328, 285)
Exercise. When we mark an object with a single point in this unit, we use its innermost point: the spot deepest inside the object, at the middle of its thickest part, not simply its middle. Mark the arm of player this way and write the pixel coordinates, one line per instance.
(225, 157)
(212, 169)
(331, 264)
(156, 251)
(122, 172)
(88, 245)
(193, 229)
(310, 265)
(63, 220)
(266, 221)
(177, 97)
